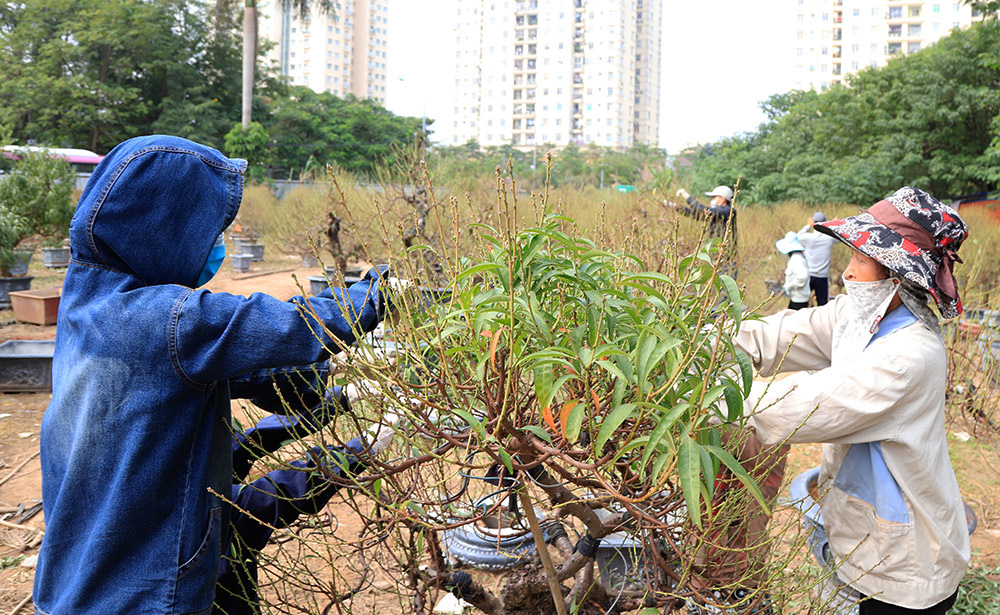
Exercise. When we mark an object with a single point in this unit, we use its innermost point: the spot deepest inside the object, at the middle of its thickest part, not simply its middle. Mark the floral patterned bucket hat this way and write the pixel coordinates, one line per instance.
(915, 236)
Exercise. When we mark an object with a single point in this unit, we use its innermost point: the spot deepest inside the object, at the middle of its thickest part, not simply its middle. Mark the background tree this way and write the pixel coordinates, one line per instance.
(928, 118)
(84, 74)
(251, 145)
(250, 22)
(357, 135)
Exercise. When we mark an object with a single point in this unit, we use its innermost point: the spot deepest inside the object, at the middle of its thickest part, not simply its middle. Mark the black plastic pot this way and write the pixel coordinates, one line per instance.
(12, 284)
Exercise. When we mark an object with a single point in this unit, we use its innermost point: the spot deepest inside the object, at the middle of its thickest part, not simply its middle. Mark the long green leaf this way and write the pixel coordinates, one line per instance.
(538, 431)
(665, 423)
(543, 384)
(734, 403)
(689, 472)
(746, 370)
(574, 422)
(740, 472)
(735, 300)
(611, 423)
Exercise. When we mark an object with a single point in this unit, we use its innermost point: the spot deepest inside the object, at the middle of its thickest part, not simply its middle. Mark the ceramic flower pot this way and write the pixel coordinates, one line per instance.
(55, 257)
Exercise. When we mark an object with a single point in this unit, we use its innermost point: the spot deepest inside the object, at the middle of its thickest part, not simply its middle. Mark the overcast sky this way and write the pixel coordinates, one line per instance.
(720, 58)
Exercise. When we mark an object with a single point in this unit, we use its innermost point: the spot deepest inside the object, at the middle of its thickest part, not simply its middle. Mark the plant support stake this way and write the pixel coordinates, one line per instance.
(543, 552)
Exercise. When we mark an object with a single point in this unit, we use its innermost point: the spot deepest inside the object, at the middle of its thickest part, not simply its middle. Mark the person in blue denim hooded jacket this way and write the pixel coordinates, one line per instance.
(136, 444)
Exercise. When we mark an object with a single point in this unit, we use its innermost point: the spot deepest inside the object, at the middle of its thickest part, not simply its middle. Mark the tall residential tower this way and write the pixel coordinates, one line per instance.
(833, 38)
(343, 53)
(529, 72)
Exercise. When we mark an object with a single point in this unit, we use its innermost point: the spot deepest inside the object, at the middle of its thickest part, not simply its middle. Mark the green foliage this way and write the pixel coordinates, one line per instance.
(613, 364)
(251, 145)
(11, 561)
(925, 119)
(356, 135)
(38, 189)
(12, 229)
(979, 593)
(76, 73)
(988, 8)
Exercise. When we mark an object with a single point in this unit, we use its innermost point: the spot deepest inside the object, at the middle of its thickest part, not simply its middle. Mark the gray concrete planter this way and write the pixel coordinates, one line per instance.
(12, 284)
(256, 251)
(241, 262)
(317, 284)
(55, 257)
(19, 265)
(26, 365)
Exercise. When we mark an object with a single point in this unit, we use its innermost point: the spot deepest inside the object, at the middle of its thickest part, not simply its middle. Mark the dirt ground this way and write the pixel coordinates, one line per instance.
(976, 461)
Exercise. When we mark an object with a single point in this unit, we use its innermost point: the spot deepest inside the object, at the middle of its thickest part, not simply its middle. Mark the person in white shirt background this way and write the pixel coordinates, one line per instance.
(818, 247)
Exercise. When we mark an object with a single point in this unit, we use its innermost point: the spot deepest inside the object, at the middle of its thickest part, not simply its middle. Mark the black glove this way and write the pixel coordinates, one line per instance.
(380, 275)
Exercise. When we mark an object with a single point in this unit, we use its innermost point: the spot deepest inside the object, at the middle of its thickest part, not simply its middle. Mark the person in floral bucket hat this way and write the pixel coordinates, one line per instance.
(871, 368)
(913, 235)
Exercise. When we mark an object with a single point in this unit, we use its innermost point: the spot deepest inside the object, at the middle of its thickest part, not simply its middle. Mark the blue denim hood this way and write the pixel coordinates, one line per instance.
(135, 444)
(158, 195)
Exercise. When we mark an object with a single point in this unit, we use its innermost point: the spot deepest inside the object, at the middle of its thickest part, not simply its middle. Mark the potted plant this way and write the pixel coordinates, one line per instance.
(38, 191)
(12, 229)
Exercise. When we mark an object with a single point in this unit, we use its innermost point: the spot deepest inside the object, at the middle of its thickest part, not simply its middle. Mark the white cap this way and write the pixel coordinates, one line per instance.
(789, 243)
(724, 191)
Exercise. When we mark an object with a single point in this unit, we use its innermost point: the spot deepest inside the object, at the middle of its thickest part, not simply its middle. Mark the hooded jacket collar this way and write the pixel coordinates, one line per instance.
(154, 207)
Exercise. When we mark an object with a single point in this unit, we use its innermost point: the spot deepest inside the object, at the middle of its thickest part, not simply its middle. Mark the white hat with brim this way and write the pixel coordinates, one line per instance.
(724, 191)
(789, 243)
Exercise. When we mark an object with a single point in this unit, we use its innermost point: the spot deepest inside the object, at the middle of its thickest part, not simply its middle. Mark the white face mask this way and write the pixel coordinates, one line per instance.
(869, 302)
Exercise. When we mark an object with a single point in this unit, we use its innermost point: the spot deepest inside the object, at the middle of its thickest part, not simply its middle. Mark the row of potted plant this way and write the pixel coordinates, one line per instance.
(36, 206)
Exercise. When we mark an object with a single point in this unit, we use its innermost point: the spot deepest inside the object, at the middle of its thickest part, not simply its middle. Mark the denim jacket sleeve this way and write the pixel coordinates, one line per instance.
(216, 336)
(283, 390)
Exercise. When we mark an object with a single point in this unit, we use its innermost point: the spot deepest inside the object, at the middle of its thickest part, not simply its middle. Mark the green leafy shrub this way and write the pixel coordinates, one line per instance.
(251, 145)
(39, 189)
(12, 229)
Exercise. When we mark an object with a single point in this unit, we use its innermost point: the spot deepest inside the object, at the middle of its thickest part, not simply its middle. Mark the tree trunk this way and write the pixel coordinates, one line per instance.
(249, 57)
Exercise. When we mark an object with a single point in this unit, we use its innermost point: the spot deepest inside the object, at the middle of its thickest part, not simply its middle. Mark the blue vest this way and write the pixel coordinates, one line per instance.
(863, 473)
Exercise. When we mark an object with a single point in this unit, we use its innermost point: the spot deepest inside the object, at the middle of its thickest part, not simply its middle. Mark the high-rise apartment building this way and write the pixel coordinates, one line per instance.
(343, 52)
(529, 72)
(833, 38)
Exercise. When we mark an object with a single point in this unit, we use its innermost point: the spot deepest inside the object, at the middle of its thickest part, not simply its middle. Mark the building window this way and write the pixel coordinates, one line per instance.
(895, 12)
(913, 47)
(913, 30)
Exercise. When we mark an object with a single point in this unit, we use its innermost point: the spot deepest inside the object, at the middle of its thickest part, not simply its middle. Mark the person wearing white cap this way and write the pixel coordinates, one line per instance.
(818, 247)
(796, 272)
(720, 214)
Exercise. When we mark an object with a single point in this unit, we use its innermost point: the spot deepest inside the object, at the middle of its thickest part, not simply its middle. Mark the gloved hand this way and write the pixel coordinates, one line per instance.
(380, 434)
(387, 285)
(683, 193)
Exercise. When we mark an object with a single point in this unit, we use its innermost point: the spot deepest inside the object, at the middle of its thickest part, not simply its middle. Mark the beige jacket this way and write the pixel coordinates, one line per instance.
(892, 394)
